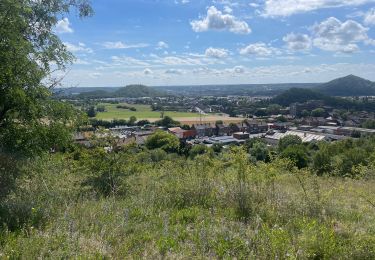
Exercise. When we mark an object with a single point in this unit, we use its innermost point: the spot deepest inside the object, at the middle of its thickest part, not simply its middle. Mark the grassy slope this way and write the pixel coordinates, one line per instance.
(184, 209)
(143, 112)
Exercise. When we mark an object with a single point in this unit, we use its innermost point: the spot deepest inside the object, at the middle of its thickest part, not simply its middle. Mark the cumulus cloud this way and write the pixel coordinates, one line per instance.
(216, 53)
(162, 45)
(129, 61)
(174, 72)
(298, 42)
(370, 17)
(64, 26)
(284, 8)
(216, 20)
(121, 45)
(239, 69)
(147, 71)
(334, 35)
(80, 47)
(259, 49)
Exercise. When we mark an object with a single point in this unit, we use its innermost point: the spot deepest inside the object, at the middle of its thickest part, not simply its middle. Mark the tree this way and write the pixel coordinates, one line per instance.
(198, 150)
(91, 111)
(319, 112)
(370, 123)
(297, 154)
(143, 122)
(132, 120)
(305, 113)
(288, 141)
(260, 152)
(163, 140)
(167, 122)
(273, 109)
(29, 52)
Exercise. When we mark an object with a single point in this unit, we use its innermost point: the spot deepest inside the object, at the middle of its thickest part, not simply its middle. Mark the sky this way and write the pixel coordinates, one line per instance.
(198, 42)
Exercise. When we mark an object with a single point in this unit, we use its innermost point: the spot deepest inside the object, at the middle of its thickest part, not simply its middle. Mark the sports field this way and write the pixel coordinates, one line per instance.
(145, 112)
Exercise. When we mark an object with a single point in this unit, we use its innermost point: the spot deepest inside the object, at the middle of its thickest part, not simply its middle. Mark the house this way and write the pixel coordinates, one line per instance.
(204, 130)
(183, 134)
(241, 135)
(255, 127)
(222, 129)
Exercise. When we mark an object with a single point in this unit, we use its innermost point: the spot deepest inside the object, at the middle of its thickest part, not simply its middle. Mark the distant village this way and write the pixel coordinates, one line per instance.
(312, 121)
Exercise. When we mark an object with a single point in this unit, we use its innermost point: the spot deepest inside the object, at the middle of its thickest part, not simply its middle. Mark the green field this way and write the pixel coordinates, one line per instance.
(143, 112)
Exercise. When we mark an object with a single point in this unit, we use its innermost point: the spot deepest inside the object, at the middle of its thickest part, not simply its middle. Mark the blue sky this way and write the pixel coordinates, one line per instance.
(192, 42)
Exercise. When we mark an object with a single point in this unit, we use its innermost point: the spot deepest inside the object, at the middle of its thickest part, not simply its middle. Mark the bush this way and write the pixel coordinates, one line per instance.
(297, 154)
(163, 140)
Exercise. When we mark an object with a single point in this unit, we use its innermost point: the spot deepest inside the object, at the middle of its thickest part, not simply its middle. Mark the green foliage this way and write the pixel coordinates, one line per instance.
(219, 206)
(91, 111)
(260, 152)
(132, 120)
(305, 113)
(107, 173)
(369, 124)
(289, 140)
(342, 158)
(163, 140)
(319, 112)
(297, 154)
(167, 122)
(28, 47)
(198, 150)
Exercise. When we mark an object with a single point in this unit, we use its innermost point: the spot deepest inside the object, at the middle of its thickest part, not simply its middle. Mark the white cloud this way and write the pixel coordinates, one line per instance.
(239, 69)
(129, 61)
(162, 45)
(298, 42)
(81, 47)
(216, 53)
(147, 71)
(275, 8)
(216, 20)
(63, 26)
(181, 2)
(370, 17)
(259, 49)
(174, 71)
(121, 45)
(334, 35)
(228, 9)
(95, 75)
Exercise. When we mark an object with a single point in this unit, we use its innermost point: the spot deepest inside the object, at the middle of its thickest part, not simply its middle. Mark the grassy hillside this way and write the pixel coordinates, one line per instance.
(166, 206)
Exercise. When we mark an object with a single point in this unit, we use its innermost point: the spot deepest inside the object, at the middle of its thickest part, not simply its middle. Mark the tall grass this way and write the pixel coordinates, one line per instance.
(208, 207)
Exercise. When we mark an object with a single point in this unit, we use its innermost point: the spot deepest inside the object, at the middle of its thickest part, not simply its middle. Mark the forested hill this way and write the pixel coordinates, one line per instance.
(348, 86)
(130, 91)
(297, 95)
(134, 91)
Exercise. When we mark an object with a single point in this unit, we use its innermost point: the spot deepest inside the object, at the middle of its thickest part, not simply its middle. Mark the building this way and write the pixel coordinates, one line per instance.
(255, 127)
(222, 129)
(183, 134)
(241, 135)
(273, 138)
(204, 130)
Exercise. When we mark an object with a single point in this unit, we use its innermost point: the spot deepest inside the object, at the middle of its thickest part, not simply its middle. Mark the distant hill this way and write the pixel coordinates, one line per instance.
(348, 86)
(136, 91)
(131, 91)
(297, 95)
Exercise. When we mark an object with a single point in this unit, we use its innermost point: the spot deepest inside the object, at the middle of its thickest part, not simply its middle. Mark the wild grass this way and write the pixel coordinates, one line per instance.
(210, 207)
